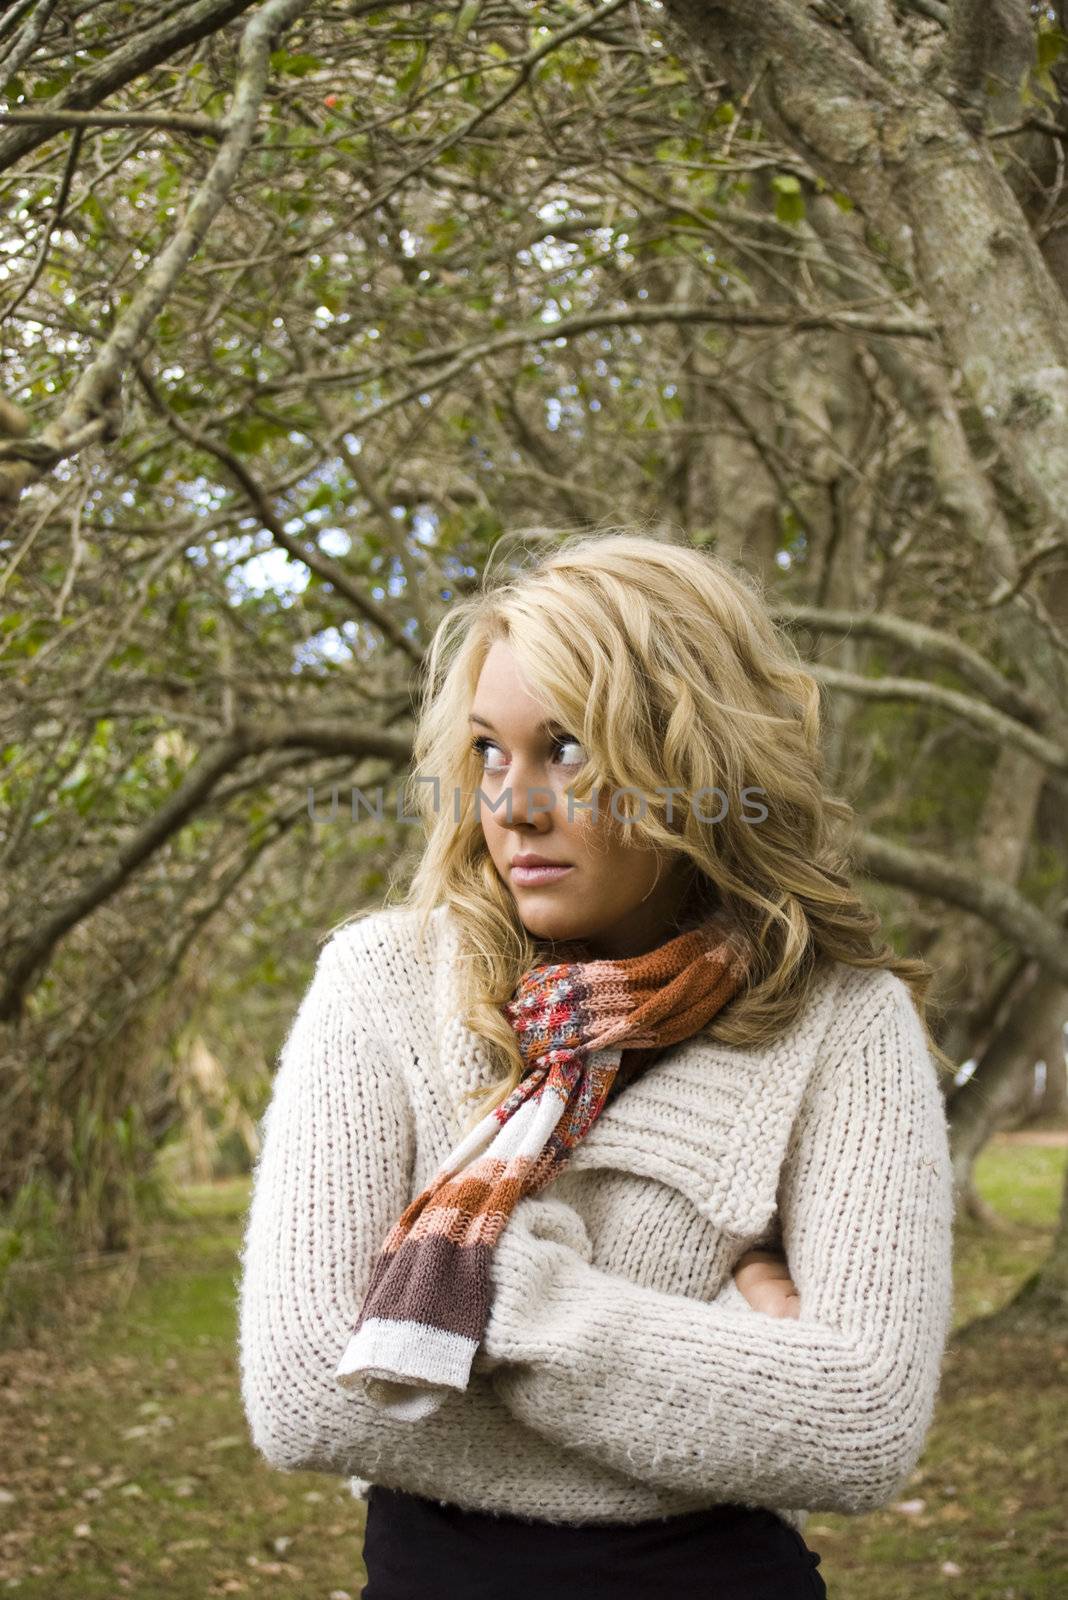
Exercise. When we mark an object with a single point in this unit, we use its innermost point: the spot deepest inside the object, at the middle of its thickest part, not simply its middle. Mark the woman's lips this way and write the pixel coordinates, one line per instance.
(527, 877)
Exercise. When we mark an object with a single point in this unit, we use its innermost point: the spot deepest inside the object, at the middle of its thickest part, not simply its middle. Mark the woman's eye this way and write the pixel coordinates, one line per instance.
(481, 746)
(571, 744)
(570, 752)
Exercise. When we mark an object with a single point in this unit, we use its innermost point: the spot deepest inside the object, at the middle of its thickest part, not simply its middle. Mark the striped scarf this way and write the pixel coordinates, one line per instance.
(584, 1029)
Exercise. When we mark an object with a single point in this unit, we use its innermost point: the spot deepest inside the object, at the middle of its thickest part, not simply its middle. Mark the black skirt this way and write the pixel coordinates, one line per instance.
(418, 1549)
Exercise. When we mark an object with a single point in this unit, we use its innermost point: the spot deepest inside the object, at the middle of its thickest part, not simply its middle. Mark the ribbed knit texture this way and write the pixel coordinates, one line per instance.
(425, 1311)
(622, 1375)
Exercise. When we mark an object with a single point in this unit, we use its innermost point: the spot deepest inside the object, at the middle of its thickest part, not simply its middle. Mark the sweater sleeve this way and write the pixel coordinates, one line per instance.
(332, 1176)
(828, 1411)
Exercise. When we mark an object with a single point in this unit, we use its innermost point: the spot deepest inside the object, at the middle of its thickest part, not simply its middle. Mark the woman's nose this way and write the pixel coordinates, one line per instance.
(531, 798)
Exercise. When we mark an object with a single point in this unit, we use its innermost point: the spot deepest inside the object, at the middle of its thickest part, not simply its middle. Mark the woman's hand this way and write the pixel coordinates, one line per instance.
(763, 1277)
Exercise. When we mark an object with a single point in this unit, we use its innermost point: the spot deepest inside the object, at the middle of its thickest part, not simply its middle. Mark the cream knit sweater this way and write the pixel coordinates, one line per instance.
(622, 1376)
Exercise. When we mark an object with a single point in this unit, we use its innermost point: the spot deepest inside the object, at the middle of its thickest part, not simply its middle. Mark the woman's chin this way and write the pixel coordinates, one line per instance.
(550, 922)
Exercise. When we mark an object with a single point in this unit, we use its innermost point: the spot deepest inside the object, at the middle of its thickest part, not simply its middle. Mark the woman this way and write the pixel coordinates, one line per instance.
(684, 1273)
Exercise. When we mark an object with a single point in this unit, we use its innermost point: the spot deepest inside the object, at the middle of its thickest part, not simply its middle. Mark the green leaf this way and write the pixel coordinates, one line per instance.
(47, 87)
(1050, 46)
(442, 233)
(581, 71)
(411, 74)
(168, 183)
(789, 201)
(294, 66)
(466, 16)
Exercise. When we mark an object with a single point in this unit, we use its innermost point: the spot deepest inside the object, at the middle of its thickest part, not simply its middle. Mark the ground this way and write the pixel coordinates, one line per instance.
(126, 1467)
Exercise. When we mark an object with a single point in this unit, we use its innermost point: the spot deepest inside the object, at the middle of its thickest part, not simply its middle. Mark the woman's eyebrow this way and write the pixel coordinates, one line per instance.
(543, 727)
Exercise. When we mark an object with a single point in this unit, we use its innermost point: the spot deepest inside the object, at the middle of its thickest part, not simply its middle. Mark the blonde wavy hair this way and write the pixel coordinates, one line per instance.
(664, 662)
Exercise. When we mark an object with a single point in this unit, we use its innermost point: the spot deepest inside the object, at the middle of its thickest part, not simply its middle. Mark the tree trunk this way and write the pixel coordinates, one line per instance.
(1052, 1103)
(963, 955)
(853, 105)
(986, 1100)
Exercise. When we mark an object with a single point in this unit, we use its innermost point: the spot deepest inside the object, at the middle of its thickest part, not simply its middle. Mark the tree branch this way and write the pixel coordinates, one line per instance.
(1006, 730)
(95, 402)
(174, 121)
(931, 643)
(309, 555)
(929, 873)
(313, 739)
(146, 50)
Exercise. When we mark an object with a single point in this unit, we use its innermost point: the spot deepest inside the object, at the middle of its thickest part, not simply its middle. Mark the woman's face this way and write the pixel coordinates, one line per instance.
(611, 894)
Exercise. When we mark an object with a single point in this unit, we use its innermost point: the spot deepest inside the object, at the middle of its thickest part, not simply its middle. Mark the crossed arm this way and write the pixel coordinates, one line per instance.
(826, 1409)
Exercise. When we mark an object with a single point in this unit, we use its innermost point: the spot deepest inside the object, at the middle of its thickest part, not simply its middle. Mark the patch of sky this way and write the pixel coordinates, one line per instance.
(329, 645)
(333, 541)
(425, 524)
(252, 572)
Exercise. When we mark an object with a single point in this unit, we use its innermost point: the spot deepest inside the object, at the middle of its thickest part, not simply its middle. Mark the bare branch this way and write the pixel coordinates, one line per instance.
(311, 557)
(311, 739)
(993, 723)
(176, 122)
(933, 644)
(929, 873)
(147, 49)
(987, 36)
(93, 410)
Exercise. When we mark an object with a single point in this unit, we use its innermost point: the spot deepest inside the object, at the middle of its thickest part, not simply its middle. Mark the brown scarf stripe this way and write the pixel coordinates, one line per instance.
(437, 1278)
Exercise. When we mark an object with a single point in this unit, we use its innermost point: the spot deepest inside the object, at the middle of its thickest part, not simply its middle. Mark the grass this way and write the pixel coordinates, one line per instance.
(129, 1458)
(126, 1467)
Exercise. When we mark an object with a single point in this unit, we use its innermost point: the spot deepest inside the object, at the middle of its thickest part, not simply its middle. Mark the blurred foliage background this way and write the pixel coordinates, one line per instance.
(308, 310)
